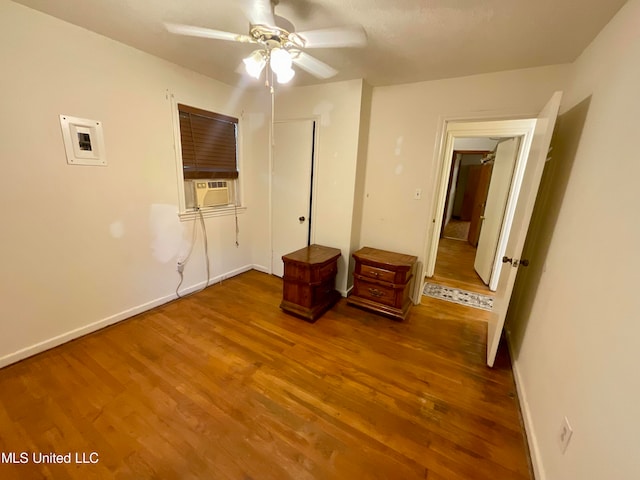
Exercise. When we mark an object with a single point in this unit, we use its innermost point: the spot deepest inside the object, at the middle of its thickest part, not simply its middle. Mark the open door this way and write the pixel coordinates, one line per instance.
(522, 216)
(495, 204)
(291, 179)
(479, 203)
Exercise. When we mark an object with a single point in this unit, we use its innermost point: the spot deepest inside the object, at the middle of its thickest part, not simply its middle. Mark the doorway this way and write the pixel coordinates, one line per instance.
(532, 153)
(467, 187)
(475, 204)
(456, 263)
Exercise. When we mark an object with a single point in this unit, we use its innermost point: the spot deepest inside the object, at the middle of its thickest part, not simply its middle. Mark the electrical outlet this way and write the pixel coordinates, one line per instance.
(180, 267)
(564, 435)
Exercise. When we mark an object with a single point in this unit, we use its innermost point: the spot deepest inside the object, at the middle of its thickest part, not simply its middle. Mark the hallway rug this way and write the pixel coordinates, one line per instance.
(456, 230)
(463, 297)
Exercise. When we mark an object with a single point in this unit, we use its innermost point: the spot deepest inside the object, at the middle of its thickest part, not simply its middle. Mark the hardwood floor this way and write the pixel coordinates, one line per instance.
(224, 385)
(454, 267)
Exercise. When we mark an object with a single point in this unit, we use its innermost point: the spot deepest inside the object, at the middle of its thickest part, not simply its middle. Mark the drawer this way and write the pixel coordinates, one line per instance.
(375, 292)
(377, 273)
(321, 293)
(310, 274)
(308, 295)
(328, 271)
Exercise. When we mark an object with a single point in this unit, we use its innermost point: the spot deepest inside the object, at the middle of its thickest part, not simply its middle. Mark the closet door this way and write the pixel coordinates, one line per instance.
(291, 179)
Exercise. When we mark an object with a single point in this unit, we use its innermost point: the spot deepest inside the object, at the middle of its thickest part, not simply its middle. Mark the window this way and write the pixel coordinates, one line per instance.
(209, 152)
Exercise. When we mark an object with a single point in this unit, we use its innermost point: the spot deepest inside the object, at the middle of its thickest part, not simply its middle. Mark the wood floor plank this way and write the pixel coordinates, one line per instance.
(454, 267)
(224, 385)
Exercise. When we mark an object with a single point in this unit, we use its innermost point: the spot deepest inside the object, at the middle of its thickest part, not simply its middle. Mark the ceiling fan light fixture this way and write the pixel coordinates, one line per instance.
(285, 76)
(280, 61)
(254, 63)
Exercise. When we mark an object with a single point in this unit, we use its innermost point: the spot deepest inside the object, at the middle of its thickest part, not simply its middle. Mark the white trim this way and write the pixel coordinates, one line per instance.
(118, 317)
(532, 440)
(220, 278)
(345, 293)
(81, 331)
(261, 268)
(177, 150)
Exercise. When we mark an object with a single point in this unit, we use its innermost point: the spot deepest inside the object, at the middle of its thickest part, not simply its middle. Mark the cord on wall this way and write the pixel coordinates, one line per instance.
(206, 248)
(181, 264)
(235, 210)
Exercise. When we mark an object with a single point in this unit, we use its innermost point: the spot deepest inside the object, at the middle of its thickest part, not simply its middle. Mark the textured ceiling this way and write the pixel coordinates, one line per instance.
(408, 40)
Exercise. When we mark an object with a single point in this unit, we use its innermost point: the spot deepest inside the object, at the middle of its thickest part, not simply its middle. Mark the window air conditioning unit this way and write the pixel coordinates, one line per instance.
(211, 193)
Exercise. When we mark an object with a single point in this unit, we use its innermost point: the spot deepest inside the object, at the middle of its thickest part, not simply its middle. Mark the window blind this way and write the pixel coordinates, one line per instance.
(209, 143)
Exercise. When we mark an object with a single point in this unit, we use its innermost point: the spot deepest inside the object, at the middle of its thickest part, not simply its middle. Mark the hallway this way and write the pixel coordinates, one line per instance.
(454, 267)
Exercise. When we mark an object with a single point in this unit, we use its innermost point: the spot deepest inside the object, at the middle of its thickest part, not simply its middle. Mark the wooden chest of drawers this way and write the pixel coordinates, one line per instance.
(382, 282)
(309, 281)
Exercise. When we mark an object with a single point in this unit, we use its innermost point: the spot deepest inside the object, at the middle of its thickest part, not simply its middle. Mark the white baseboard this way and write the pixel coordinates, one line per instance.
(118, 317)
(532, 441)
(345, 293)
(81, 331)
(262, 269)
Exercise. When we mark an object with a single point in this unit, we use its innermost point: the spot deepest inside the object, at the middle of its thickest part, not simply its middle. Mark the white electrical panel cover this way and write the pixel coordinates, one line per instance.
(83, 141)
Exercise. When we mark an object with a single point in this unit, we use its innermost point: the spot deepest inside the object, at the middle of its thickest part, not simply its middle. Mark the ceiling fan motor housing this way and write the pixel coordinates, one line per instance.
(275, 37)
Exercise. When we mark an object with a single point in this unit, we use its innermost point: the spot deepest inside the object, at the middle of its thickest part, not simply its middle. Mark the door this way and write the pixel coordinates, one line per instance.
(451, 190)
(520, 224)
(479, 203)
(496, 201)
(470, 192)
(291, 179)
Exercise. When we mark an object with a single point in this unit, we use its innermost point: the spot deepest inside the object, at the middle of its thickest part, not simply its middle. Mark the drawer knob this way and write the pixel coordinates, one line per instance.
(375, 292)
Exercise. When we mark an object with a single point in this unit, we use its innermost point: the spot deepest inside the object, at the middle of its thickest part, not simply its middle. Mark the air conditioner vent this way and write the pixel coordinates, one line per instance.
(211, 193)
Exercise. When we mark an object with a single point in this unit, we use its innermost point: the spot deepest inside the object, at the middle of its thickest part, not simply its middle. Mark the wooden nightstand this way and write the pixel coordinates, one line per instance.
(383, 281)
(309, 281)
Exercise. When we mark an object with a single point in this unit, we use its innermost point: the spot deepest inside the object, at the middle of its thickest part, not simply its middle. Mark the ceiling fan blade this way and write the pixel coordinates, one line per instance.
(207, 33)
(353, 36)
(261, 13)
(313, 66)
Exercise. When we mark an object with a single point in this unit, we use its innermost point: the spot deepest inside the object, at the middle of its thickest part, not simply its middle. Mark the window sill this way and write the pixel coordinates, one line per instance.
(211, 212)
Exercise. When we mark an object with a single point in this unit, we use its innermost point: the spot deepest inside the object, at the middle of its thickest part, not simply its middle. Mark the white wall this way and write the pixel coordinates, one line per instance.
(257, 120)
(87, 246)
(360, 177)
(405, 123)
(575, 329)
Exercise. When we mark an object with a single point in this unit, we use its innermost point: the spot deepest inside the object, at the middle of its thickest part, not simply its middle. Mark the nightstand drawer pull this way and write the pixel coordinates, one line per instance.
(375, 292)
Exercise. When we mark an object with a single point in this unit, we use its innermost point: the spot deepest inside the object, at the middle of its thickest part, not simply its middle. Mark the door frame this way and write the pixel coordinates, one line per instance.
(517, 127)
(313, 180)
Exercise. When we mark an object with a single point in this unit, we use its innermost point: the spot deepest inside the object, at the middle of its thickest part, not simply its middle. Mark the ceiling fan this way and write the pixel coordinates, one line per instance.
(279, 46)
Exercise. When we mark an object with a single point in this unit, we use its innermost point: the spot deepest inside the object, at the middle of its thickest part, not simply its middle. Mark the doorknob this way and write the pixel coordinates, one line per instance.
(302, 219)
(515, 263)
